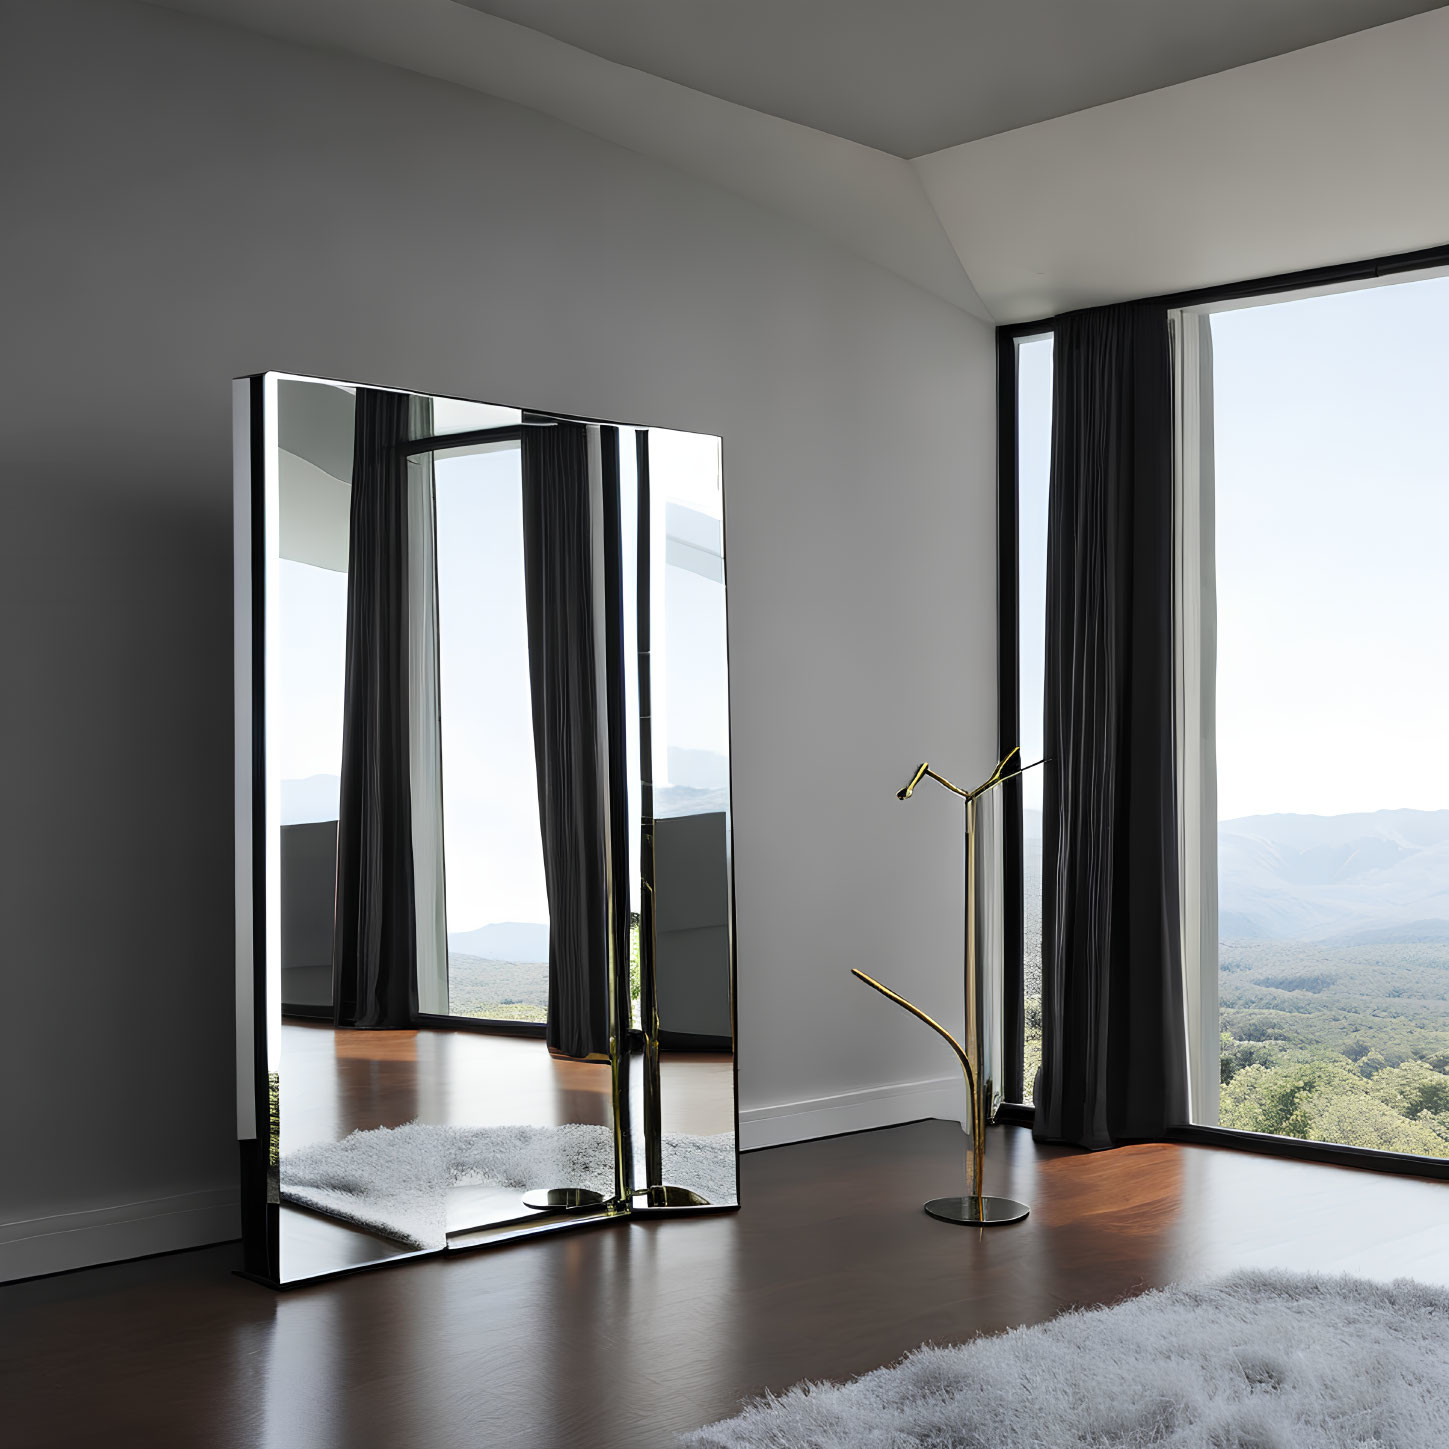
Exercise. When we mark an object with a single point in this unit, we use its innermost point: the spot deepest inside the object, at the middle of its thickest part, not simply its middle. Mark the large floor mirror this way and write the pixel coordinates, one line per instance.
(485, 965)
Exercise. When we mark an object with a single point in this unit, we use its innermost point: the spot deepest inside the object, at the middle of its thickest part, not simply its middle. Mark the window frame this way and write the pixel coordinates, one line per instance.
(1175, 305)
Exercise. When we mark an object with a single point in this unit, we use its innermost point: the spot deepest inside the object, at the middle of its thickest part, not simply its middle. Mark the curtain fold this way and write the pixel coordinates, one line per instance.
(1114, 1061)
(425, 744)
(375, 940)
(569, 730)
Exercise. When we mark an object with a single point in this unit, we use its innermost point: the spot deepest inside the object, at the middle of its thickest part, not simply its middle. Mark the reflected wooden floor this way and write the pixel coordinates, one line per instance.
(626, 1335)
(336, 1081)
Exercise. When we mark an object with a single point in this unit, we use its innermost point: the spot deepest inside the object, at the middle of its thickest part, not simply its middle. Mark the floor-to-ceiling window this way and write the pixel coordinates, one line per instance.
(1324, 453)
(1033, 468)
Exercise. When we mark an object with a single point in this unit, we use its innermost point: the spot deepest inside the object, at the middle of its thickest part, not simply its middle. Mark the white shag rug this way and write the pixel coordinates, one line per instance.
(1254, 1361)
(394, 1181)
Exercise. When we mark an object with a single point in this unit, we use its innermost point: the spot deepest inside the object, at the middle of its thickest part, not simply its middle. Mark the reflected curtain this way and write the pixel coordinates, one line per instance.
(374, 943)
(609, 541)
(1114, 1060)
(569, 730)
(425, 743)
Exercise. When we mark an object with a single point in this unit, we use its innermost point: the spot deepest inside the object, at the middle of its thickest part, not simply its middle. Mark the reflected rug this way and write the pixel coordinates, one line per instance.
(394, 1181)
(1254, 1361)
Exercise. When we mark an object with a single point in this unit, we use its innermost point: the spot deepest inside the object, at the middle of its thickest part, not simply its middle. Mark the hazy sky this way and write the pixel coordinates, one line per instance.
(690, 695)
(1033, 461)
(1332, 528)
(1332, 489)
(312, 664)
(491, 841)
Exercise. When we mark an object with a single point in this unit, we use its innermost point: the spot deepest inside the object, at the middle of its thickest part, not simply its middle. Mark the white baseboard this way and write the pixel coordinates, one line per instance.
(851, 1112)
(60, 1241)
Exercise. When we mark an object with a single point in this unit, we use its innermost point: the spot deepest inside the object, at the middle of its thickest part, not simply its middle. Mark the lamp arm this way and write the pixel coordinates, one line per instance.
(922, 772)
(915, 780)
(931, 1022)
(1002, 779)
(998, 777)
(954, 789)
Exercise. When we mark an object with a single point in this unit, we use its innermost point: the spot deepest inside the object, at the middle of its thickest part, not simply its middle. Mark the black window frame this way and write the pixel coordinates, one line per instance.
(1014, 1109)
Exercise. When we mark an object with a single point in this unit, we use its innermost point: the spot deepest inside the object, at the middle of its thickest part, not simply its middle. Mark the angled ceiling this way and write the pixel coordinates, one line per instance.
(1064, 155)
(912, 76)
(866, 201)
(1336, 153)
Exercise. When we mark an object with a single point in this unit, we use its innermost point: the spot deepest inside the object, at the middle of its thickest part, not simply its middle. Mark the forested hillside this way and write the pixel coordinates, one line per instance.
(1344, 1044)
(1333, 976)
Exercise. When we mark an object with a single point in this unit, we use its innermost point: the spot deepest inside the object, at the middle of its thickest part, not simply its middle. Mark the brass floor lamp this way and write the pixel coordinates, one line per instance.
(975, 1207)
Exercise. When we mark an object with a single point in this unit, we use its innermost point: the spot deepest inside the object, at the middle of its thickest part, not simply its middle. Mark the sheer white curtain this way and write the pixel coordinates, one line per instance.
(1196, 710)
(424, 729)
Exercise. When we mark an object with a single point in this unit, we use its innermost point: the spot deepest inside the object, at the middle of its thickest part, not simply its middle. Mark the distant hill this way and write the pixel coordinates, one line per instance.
(699, 783)
(1363, 879)
(1379, 878)
(699, 769)
(1416, 933)
(520, 941)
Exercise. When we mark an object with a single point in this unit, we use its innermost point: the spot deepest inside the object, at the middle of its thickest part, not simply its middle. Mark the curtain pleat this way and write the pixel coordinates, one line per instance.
(1114, 1061)
(375, 940)
(425, 743)
(569, 732)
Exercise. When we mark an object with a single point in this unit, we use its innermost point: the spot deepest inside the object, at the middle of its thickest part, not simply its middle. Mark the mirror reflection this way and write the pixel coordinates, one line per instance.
(494, 959)
(686, 1064)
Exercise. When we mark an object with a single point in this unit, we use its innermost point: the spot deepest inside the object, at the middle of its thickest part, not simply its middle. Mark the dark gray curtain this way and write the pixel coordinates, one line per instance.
(1114, 1059)
(569, 735)
(375, 941)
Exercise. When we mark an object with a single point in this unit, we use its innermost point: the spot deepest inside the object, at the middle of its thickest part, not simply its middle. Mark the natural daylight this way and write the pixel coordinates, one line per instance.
(1331, 494)
(1333, 783)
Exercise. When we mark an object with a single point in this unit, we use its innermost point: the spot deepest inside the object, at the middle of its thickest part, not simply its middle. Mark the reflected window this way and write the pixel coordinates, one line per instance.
(314, 465)
(690, 743)
(497, 905)
(691, 719)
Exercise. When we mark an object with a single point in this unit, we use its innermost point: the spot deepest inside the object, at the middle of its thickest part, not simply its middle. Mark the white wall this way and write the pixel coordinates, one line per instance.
(871, 203)
(185, 203)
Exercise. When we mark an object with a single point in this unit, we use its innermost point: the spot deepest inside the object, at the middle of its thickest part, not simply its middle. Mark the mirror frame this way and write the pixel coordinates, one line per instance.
(256, 507)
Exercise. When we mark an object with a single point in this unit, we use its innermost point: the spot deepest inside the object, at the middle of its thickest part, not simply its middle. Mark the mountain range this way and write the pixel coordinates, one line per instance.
(1347, 880)
(520, 941)
(1376, 878)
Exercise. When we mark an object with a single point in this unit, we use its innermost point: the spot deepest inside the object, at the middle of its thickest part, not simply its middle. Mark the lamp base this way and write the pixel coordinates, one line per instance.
(979, 1212)
(561, 1199)
(670, 1197)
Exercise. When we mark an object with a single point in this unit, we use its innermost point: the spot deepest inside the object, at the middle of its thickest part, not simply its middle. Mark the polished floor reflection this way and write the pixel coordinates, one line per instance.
(626, 1336)
(338, 1081)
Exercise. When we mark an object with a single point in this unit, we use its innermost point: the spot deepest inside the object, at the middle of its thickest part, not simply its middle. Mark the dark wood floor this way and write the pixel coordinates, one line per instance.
(623, 1336)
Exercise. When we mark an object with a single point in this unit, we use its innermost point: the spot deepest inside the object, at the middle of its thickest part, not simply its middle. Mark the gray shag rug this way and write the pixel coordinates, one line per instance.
(394, 1181)
(1254, 1361)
